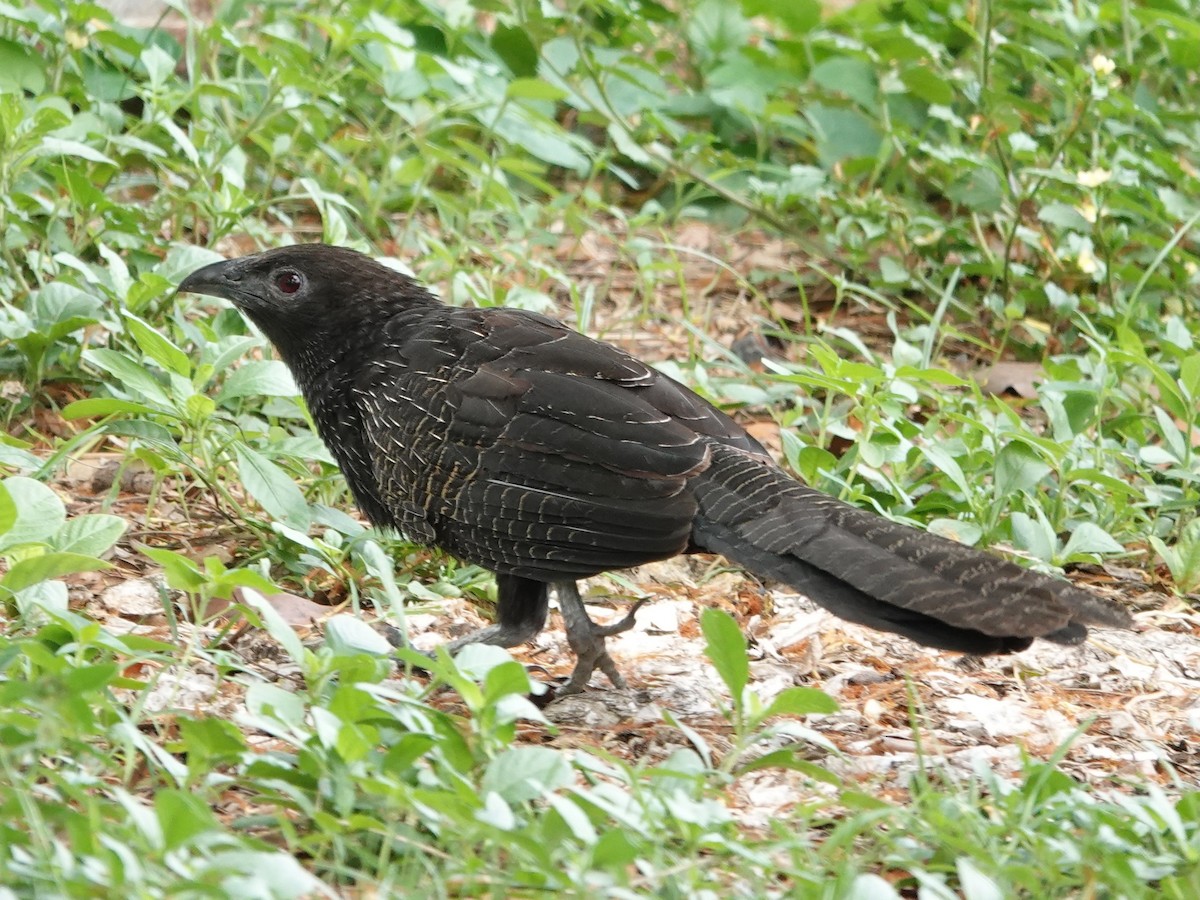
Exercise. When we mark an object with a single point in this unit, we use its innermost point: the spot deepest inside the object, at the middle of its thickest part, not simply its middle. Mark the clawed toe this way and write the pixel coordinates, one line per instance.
(586, 638)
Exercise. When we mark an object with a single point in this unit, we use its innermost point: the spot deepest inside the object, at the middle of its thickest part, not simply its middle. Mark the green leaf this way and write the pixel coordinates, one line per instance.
(183, 816)
(975, 884)
(1033, 535)
(45, 597)
(963, 532)
(512, 44)
(533, 89)
(182, 574)
(98, 407)
(520, 774)
(407, 750)
(1189, 376)
(799, 16)
(507, 678)
(1183, 560)
(8, 512)
(275, 624)
(31, 570)
(130, 374)
(1089, 538)
(157, 347)
(842, 134)
(258, 378)
(800, 701)
(1065, 216)
(927, 85)
(39, 513)
(91, 534)
(59, 309)
(716, 30)
(851, 76)
(981, 190)
(273, 488)
(275, 705)
(51, 146)
(345, 633)
(725, 646)
(21, 69)
(787, 758)
(1018, 468)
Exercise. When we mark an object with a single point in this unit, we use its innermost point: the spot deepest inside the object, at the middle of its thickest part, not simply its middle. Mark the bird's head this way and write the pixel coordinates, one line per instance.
(305, 296)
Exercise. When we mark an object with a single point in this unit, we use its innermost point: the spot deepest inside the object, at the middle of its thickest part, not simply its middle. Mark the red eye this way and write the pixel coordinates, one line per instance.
(288, 282)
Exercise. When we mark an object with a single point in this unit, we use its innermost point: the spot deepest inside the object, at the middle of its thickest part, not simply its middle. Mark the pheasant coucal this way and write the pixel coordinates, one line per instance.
(520, 445)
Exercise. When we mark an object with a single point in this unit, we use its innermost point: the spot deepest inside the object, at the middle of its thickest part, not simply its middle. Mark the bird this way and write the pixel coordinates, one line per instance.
(513, 442)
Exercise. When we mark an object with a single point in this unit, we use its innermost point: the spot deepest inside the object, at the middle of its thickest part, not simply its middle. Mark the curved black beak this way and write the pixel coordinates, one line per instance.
(219, 279)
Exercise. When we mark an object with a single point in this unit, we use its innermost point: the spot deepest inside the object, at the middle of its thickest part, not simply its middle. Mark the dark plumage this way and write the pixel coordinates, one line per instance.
(515, 443)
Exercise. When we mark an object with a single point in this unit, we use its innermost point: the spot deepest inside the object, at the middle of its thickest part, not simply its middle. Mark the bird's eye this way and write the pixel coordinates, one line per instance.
(288, 282)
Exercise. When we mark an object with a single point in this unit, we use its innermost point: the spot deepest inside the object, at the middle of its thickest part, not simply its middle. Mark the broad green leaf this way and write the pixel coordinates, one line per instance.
(273, 488)
(118, 272)
(345, 633)
(507, 678)
(90, 534)
(39, 512)
(21, 69)
(520, 774)
(1089, 538)
(1018, 468)
(199, 408)
(980, 190)
(1189, 377)
(842, 134)
(957, 530)
(275, 705)
(183, 816)
(157, 347)
(725, 646)
(258, 378)
(182, 574)
(716, 29)
(41, 600)
(948, 465)
(975, 884)
(52, 146)
(512, 44)
(58, 309)
(852, 76)
(1065, 216)
(183, 259)
(33, 569)
(927, 85)
(1183, 559)
(1034, 535)
(130, 375)
(800, 701)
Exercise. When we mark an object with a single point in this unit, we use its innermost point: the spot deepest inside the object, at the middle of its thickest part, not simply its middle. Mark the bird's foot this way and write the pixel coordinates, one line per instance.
(586, 638)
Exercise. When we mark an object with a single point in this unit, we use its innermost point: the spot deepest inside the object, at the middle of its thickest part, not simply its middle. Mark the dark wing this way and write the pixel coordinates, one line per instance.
(534, 450)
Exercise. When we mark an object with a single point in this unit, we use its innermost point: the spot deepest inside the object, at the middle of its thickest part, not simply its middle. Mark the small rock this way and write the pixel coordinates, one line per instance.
(135, 598)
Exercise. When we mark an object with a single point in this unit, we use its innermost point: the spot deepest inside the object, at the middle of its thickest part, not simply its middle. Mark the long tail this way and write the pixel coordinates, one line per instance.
(873, 571)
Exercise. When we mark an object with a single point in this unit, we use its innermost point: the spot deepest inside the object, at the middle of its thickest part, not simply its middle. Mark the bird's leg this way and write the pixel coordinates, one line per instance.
(521, 606)
(587, 639)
